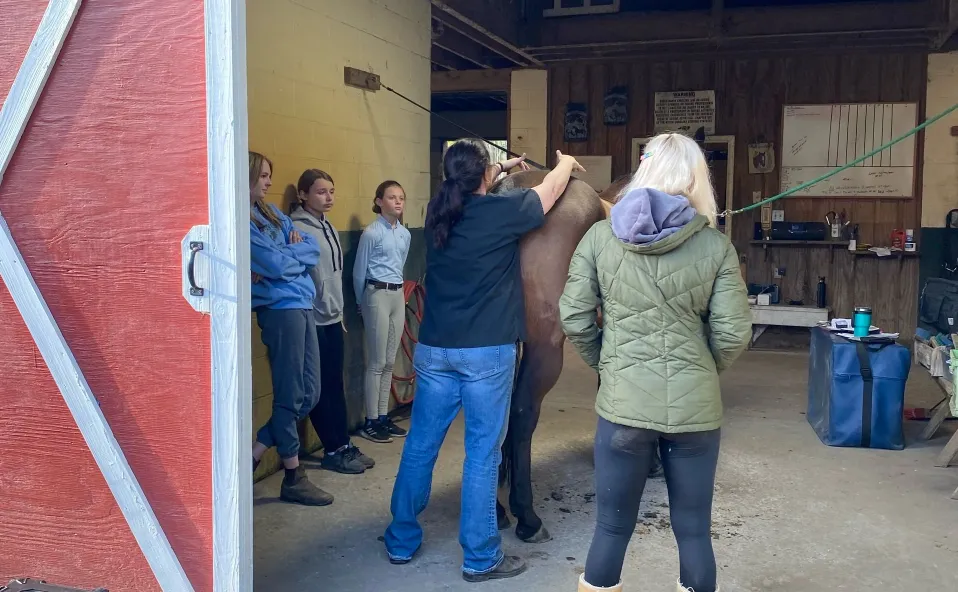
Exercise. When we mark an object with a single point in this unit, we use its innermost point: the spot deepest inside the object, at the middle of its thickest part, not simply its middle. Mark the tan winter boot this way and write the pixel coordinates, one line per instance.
(681, 588)
(587, 587)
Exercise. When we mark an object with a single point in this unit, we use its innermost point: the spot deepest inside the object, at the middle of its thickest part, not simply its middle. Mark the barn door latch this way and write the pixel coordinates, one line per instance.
(195, 254)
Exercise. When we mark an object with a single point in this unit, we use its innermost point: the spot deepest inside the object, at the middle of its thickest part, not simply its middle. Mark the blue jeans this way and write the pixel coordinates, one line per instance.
(478, 380)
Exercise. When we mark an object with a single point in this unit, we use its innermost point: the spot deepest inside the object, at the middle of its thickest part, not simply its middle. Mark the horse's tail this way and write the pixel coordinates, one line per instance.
(505, 465)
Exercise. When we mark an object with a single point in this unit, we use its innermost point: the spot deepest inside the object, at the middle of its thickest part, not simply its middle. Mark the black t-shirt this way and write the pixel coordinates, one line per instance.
(473, 284)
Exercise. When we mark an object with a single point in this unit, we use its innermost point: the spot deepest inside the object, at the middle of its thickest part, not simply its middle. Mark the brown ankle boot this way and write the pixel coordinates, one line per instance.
(585, 586)
(303, 492)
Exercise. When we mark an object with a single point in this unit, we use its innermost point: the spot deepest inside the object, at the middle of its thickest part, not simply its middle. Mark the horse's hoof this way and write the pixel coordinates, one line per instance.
(503, 522)
(540, 536)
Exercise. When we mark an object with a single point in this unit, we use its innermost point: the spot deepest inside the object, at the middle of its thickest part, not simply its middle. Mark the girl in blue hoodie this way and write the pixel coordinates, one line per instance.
(282, 298)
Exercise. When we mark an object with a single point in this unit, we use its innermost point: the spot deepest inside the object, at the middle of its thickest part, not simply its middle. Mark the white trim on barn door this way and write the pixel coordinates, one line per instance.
(729, 141)
(229, 295)
(14, 116)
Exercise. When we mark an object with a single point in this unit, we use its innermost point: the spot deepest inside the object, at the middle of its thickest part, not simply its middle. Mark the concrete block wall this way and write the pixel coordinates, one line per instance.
(529, 114)
(302, 116)
(940, 182)
(940, 165)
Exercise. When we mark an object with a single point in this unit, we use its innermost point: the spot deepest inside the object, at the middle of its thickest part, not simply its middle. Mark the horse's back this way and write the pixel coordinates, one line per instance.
(545, 253)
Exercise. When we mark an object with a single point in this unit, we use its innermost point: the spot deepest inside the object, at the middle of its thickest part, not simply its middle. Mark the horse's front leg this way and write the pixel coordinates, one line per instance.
(538, 373)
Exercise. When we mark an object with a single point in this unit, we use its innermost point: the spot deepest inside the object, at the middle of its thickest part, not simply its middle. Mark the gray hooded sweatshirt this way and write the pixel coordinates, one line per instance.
(328, 273)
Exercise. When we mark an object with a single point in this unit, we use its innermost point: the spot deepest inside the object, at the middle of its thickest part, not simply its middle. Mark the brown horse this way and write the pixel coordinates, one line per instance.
(545, 255)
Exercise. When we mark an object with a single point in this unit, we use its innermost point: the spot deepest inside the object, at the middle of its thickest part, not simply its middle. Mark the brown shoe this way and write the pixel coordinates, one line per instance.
(303, 492)
(509, 567)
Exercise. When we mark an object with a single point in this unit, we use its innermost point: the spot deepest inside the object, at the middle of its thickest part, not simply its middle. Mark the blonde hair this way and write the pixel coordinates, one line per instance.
(675, 164)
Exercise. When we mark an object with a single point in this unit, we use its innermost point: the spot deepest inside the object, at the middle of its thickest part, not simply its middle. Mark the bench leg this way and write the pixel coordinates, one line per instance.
(949, 453)
(939, 417)
(757, 331)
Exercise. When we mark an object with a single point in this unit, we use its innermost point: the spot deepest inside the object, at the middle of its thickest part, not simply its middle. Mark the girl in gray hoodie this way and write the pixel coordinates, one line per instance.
(309, 201)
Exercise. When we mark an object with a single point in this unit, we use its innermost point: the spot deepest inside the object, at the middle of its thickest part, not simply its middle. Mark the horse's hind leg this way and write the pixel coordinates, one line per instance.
(538, 372)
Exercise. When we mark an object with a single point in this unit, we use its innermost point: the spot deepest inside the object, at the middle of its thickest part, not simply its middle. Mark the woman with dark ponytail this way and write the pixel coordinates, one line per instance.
(468, 343)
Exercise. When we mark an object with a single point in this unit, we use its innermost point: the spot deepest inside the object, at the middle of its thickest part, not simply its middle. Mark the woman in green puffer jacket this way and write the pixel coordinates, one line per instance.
(675, 314)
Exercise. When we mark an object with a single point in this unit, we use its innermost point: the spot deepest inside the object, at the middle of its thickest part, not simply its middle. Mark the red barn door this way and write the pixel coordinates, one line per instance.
(109, 175)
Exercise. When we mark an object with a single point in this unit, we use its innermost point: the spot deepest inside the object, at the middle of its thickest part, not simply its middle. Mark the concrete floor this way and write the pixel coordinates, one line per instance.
(791, 515)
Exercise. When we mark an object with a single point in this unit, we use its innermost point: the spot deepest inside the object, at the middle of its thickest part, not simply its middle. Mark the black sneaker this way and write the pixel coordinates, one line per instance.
(303, 492)
(359, 456)
(343, 462)
(393, 429)
(374, 432)
(510, 567)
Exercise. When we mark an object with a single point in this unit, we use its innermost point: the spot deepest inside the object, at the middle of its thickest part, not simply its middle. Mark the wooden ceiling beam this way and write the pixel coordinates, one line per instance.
(472, 81)
(738, 22)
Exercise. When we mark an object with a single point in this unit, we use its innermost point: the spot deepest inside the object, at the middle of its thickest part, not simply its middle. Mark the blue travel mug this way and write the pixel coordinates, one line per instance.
(862, 321)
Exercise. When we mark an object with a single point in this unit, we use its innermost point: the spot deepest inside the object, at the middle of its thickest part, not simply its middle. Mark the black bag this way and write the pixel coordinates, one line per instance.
(949, 250)
(939, 305)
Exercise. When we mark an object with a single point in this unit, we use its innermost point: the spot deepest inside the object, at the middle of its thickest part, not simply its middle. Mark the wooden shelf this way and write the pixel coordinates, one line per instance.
(894, 254)
(798, 243)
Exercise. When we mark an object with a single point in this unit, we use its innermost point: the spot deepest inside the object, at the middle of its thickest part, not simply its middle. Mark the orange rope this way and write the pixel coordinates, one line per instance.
(410, 290)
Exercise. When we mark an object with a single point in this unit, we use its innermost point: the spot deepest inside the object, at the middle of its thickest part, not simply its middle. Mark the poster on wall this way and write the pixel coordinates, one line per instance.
(685, 111)
(576, 122)
(761, 158)
(616, 106)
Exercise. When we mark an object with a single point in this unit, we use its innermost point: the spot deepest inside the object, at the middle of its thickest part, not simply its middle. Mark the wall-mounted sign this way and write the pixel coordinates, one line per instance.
(685, 111)
(576, 122)
(761, 158)
(616, 106)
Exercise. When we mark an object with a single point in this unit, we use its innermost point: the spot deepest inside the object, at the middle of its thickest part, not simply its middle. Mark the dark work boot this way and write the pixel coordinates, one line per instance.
(343, 462)
(510, 567)
(301, 491)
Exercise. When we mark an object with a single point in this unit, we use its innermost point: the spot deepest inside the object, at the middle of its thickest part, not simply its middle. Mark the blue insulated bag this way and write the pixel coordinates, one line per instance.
(856, 391)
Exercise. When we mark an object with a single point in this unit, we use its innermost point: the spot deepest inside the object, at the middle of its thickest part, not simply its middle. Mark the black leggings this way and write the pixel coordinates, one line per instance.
(622, 458)
(329, 415)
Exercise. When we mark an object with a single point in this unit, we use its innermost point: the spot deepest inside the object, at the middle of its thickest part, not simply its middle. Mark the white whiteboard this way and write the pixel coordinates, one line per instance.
(819, 138)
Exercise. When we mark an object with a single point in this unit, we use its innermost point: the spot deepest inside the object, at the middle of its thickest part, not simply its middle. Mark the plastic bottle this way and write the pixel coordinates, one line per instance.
(821, 300)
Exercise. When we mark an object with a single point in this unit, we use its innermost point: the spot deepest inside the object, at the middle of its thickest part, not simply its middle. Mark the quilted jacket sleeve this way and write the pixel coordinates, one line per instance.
(579, 301)
(730, 319)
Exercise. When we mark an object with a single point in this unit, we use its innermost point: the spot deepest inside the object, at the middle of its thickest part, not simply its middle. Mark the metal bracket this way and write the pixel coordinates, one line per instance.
(196, 268)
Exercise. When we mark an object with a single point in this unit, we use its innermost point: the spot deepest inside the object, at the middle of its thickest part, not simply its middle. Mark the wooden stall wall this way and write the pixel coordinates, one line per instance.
(750, 95)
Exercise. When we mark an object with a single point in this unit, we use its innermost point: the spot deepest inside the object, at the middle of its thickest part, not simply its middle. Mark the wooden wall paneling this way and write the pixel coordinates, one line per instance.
(908, 296)
(598, 132)
(915, 77)
(891, 214)
(619, 142)
(841, 284)
(794, 284)
(579, 93)
(660, 80)
(819, 263)
(559, 86)
(640, 107)
(750, 95)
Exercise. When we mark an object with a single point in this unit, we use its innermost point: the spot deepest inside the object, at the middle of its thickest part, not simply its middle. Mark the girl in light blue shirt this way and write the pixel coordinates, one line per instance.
(378, 282)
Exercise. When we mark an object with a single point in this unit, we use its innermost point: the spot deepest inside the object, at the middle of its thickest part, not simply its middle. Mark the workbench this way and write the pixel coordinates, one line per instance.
(777, 315)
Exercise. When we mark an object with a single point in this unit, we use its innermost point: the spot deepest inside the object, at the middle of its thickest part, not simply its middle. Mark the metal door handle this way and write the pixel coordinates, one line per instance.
(195, 247)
